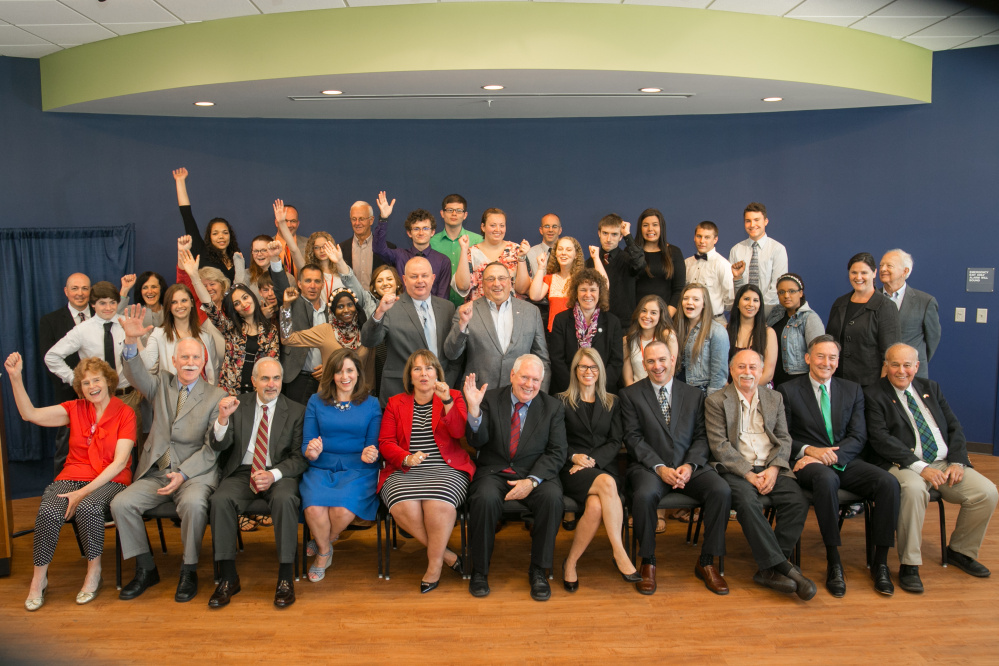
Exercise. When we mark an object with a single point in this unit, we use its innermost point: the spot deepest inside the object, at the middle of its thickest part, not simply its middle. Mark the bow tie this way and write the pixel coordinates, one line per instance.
(699, 256)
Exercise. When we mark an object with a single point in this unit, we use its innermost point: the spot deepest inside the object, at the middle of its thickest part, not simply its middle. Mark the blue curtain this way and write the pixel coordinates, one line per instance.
(34, 265)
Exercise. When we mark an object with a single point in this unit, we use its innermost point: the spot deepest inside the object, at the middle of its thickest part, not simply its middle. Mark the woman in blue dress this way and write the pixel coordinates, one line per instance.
(341, 442)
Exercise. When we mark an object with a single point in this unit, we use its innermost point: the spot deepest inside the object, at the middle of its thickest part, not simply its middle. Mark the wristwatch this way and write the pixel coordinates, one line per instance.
(534, 483)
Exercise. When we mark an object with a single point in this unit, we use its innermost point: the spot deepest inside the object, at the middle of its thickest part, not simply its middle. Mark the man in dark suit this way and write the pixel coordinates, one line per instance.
(825, 417)
(265, 461)
(915, 436)
(51, 329)
(519, 434)
(664, 433)
(405, 323)
(918, 312)
(302, 366)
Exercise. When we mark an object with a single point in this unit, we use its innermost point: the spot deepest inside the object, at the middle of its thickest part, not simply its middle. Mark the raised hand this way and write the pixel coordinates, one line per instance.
(523, 249)
(463, 242)
(184, 243)
(465, 315)
(543, 262)
(314, 448)
(442, 390)
(279, 214)
(132, 323)
(227, 406)
(14, 364)
(474, 396)
(595, 253)
(738, 268)
(384, 305)
(238, 262)
(274, 250)
(333, 252)
(127, 282)
(384, 207)
(188, 263)
(290, 295)
(625, 228)
(180, 174)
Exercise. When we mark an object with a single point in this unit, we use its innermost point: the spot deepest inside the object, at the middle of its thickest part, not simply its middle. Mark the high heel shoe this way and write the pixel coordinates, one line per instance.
(426, 587)
(457, 567)
(629, 578)
(570, 586)
(83, 597)
(316, 572)
(37, 602)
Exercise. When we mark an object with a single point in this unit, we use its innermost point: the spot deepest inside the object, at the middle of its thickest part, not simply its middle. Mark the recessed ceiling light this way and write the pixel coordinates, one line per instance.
(332, 92)
(492, 87)
(650, 90)
(204, 104)
(773, 99)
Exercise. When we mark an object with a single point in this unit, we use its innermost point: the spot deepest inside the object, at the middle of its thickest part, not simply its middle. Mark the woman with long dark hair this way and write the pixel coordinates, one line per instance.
(218, 247)
(665, 271)
(748, 330)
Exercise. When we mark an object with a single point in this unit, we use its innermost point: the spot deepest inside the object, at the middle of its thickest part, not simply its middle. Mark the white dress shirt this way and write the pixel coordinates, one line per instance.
(502, 315)
(86, 339)
(252, 444)
(715, 273)
(75, 314)
(897, 297)
(920, 465)
(772, 262)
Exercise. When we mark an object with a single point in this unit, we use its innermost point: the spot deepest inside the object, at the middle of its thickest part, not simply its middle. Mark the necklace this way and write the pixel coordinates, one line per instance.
(342, 406)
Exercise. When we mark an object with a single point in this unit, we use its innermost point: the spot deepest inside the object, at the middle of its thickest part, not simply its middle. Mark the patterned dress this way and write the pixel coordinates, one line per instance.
(477, 262)
(231, 370)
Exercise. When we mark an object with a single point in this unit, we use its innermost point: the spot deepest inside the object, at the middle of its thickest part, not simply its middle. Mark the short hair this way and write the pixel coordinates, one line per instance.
(261, 237)
(905, 256)
(290, 205)
(495, 263)
(529, 358)
(104, 289)
(759, 356)
(491, 211)
(381, 269)
(755, 207)
(143, 279)
(266, 359)
(902, 344)
(97, 365)
(825, 337)
(708, 225)
(407, 372)
(655, 342)
(309, 267)
(454, 198)
(609, 220)
(333, 365)
(863, 257)
(215, 275)
(582, 277)
(418, 215)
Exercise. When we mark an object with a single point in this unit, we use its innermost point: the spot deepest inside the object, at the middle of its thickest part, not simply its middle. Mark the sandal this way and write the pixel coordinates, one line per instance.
(316, 572)
(312, 549)
(660, 524)
(247, 524)
(682, 515)
(264, 521)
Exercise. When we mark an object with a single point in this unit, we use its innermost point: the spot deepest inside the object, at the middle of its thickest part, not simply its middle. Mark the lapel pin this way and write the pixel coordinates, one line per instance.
(926, 396)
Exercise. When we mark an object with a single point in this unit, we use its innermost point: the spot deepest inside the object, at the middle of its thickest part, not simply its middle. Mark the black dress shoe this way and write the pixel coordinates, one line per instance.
(458, 567)
(908, 579)
(426, 587)
(968, 565)
(804, 588)
(187, 586)
(569, 525)
(569, 585)
(628, 578)
(836, 580)
(478, 586)
(284, 595)
(882, 579)
(223, 593)
(775, 580)
(144, 578)
(540, 589)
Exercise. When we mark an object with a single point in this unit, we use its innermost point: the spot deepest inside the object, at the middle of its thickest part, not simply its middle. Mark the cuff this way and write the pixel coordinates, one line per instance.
(129, 351)
(918, 466)
(220, 430)
(276, 473)
(474, 422)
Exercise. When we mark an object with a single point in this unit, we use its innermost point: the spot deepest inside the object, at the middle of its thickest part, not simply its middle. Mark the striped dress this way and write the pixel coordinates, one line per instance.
(432, 479)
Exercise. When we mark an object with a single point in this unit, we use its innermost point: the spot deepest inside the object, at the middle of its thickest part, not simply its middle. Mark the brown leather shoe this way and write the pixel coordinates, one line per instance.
(712, 579)
(648, 583)
(284, 596)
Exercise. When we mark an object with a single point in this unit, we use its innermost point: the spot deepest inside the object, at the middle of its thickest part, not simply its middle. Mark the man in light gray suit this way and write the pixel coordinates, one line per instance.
(918, 312)
(750, 447)
(176, 463)
(493, 331)
(415, 320)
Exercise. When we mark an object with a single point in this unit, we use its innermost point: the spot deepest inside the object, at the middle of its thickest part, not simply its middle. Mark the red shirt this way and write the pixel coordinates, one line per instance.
(92, 445)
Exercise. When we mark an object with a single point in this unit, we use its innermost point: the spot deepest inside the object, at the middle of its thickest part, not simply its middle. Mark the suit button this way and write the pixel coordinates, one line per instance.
(851, 323)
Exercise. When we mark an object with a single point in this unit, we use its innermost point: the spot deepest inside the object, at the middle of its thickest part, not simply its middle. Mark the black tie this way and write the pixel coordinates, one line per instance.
(700, 257)
(109, 344)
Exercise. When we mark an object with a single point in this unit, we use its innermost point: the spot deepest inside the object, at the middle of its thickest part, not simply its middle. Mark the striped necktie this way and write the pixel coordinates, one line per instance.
(259, 449)
(926, 440)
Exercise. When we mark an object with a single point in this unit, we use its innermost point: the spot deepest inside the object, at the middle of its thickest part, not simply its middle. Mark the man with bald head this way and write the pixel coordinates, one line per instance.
(263, 432)
(359, 252)
(176, 463)
(751, 449)
(913, 433)
(918, 312)
(415, 320)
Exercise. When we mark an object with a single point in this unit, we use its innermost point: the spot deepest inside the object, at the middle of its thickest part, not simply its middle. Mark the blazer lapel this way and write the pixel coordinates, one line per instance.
(409, 307)
(193, 398)
(836, 406)
(504, 415)
(734, 412)
(902, 410)
(807, 396)
(245, 432)
(650, 396)
(533, 418)
(518, 324)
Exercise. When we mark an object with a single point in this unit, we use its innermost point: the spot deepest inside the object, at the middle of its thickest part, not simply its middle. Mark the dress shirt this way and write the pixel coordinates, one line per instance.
(669, 392)
(251, 446)
(87, 339)
(817, 392)
(754, 445)
(715, 273)
(362, 257)
(502, 315)
(772, 260)
(534, 252)
(314, 358)
(475, 421)
(75, 314)
(920, 464)
(897, 297)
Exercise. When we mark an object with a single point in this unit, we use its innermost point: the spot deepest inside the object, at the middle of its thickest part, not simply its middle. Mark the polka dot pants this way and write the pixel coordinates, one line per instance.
(89, 517)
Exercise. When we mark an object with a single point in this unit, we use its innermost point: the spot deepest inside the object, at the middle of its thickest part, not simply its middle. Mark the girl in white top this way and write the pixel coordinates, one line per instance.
(648, 323)
(180, 320)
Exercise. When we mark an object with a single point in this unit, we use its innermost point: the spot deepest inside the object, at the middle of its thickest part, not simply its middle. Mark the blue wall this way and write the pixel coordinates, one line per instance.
(835, 182)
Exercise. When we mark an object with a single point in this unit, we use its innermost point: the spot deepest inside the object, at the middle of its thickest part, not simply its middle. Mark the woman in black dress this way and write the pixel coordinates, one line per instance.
(593, 430)
(665, 272)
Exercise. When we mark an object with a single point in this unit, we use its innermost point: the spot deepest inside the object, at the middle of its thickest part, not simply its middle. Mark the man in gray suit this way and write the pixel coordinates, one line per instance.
(415, 320)
(176, 462)
(750, 447)
(493, 331)
(918, 312)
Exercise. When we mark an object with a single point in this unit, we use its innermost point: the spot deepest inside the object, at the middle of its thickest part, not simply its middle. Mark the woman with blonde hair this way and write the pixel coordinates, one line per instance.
(703, 341)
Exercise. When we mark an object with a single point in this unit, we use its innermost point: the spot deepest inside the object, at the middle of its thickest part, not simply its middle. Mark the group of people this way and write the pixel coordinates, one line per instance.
(469, 371)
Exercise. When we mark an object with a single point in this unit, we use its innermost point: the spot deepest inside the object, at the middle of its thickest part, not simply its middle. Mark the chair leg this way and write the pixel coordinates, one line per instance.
(378, 543)
(943, 533)
(239, 539)
(721, 565)
(298, 572)
(466, 565)
(305, 545)
(797, 554)
(697, 530)
(76, 533)
(159, 526)
(117, 559)
(388, 551)
(868, 548)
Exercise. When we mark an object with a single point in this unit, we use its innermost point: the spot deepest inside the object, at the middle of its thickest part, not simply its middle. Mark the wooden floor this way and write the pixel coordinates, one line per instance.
(355, 617)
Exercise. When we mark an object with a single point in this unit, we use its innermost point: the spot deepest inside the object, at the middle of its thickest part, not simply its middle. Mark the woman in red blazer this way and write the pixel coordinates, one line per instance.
(426, 473)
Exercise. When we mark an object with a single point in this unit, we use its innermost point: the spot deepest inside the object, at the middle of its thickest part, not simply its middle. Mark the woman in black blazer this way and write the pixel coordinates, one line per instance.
(864, 323)
(593, 431)
(586, 323)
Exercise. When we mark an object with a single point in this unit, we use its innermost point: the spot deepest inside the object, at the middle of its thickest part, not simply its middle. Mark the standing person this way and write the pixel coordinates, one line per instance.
(709, 268)
(179, 321)
(384, 280)
(550, 230)
(303, 365)
(553, 274)
(454, 210)
(151, 287)
(218, 247)
(918, 312)
(420, 227)
(759, 259)
(665, 272)
(748, 330)
(621, 265)
(703, 342)
(650, 322)
(289, 240)
(468, 275)
(796, 325)
(261, 256)
(359, 252)
(864, 323)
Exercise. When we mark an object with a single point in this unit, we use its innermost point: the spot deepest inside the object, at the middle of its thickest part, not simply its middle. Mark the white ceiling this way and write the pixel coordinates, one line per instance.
(34, 28)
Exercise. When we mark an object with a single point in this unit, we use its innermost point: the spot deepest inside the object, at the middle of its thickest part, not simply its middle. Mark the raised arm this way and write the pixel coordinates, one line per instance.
(462, 280)
(190, 224)
(539, 289)
(280, 217)
(522, 279)
(189, 265)
(44, 416)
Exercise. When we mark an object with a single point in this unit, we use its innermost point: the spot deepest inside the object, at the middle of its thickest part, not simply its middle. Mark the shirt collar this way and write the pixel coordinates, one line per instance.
(269, 405)
(514, 400)
(668, 385)
(190, 387)
(816, 385)
(76, 313)
(749, 403)
(497, 308)
(763, 240)
(899, 295)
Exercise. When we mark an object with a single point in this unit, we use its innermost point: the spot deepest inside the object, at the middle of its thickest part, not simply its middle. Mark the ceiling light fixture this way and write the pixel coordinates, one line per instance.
(204, 104)
(773, 99)
(332, 92)
(492, 87)
(650, 90)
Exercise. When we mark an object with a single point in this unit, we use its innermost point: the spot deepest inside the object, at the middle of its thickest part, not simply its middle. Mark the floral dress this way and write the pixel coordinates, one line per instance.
(477, 262)
(231, 371)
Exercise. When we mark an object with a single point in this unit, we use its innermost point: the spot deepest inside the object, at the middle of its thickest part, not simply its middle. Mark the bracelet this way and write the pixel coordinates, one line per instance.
(448, 401)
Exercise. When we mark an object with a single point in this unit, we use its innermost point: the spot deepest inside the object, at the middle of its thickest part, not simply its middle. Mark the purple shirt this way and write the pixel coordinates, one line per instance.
(439, 263)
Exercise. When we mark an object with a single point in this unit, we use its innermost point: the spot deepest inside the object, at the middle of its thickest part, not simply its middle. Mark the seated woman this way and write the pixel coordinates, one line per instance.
(426, 473)
(467, 278)
(555, 271)
(101, 435)
(593, 431)
(796, 325)
(340, 439)
(651, 321)
(586, 323)
(703, 341)
(748, 330)
(218, 247)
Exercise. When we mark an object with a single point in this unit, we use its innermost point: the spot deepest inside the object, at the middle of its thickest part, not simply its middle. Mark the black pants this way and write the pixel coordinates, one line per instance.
(234, 495)
(770, 546)
(301, 388)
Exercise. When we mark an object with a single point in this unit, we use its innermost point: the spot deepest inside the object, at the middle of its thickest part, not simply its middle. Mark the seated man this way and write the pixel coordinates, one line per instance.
(915, 436)
(664, 433)
(750, 447)
(519, 434)
(825, 417)
(266, 463)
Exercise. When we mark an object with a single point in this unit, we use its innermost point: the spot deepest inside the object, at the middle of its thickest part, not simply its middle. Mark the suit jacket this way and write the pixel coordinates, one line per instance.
(919, 320)
(51, 329)
(599, 436)
(541, 450)
(483, 354)
(347, 248)
(722, 420)
(864, 339)
(563, 345)
(284, 436)
(293, 358)
(188, 436)
(650, 441)
(402, 328)
(805, 422)
(892, 441)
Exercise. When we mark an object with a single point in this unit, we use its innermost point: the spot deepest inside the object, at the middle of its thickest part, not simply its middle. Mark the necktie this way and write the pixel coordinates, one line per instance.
(181, 399)
(515, 429)
(826, 412)
(259, 449)
(81, 317)
(664, 404)
(925, 434)
(428, 331)
(700, 256)
(607, 259)
(109, 344)
(754, 265)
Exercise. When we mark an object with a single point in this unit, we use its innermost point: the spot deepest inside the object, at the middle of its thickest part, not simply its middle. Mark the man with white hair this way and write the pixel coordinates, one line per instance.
(359, 252)
(918, 312)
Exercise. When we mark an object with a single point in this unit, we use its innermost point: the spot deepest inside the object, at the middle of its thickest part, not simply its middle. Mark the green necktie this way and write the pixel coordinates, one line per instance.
(827, 417)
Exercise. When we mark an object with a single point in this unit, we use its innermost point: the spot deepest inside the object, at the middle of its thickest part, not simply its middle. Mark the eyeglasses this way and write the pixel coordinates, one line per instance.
(788, 292)
(587, 369)
(419, 229)
(454, 211)
(361, 219)
(496, 278)
(551, 227)
(258, 251)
